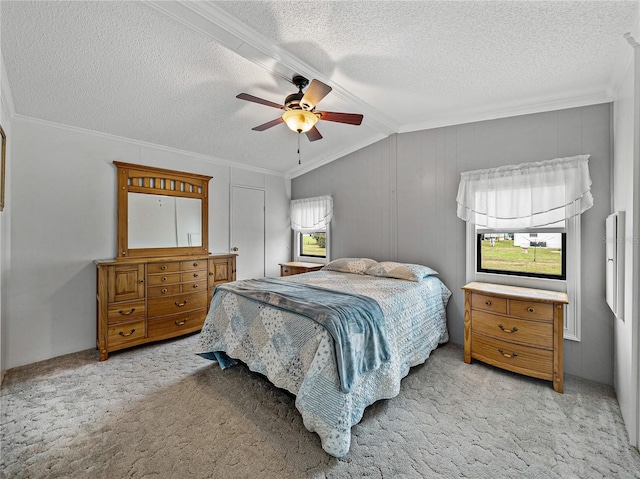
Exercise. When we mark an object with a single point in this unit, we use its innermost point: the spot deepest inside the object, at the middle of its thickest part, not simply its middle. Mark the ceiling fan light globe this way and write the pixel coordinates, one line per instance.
(300, 121)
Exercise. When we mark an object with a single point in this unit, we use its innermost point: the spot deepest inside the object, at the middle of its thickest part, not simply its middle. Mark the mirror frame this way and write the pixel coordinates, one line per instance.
(159, 181)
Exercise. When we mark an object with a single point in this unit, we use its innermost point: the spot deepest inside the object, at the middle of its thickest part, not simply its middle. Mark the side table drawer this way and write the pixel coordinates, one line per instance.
(514, 357)
(489, 303)
(285, 271)
(534, 333)
(531, 310)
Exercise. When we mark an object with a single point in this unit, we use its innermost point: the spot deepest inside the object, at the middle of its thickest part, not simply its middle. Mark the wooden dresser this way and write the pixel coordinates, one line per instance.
(298, 267)
(142, 300)
(518, 329)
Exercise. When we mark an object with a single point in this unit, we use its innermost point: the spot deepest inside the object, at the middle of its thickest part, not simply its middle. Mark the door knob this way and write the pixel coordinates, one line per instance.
(235, 248)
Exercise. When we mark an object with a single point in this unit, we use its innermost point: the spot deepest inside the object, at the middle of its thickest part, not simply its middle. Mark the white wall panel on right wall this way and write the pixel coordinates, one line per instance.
(625, 187)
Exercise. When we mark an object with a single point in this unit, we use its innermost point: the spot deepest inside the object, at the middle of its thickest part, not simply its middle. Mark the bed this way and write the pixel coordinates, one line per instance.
(300, 355)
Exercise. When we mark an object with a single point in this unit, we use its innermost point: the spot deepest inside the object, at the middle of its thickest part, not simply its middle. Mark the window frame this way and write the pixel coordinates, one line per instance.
(479, 269)
(297, 241)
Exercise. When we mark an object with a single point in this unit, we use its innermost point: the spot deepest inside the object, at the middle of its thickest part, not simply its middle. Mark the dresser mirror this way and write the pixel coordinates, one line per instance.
(161, 212)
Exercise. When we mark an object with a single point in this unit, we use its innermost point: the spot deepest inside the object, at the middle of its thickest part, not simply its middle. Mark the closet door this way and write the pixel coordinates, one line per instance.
(247, 231)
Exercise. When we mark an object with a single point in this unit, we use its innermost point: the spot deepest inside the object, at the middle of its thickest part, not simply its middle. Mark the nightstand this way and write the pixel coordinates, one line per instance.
(298, 267)
(518, 329)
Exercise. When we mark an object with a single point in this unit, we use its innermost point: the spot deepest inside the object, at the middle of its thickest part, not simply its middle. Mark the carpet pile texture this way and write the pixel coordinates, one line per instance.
(161, 411)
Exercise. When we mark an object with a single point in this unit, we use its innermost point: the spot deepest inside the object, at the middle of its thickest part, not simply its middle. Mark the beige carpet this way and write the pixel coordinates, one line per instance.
(160, 411)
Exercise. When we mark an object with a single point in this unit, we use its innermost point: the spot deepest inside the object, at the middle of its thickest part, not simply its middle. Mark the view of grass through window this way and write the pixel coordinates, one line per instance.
(313, 244)
(521, 253)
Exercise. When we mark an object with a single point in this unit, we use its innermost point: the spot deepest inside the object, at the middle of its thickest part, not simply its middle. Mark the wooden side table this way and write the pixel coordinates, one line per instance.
(518, 329)
(298, 267)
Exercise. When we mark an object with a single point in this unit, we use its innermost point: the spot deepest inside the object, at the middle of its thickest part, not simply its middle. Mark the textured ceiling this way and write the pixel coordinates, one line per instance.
(168, 72)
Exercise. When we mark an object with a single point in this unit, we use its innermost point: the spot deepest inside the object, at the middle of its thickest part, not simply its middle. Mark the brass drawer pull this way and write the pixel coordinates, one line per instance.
(211, 273)
(164, 290)
(195, 275)
(195, 285)
(513, 355)
(142, 281)
(122, 312)
(195, 265)
(123, 334)
(487, 303)
(531, 310)
(179, 305)
(164, 278)
(512, 330)
(181, 323)
(163, 267)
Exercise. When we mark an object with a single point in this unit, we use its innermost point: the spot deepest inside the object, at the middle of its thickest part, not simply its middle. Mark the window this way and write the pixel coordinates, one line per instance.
(310, 218)
(520, 205)
(537, 255)
(313, 244)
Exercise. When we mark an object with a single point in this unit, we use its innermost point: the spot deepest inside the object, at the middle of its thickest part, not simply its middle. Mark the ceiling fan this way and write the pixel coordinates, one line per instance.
(300, 113)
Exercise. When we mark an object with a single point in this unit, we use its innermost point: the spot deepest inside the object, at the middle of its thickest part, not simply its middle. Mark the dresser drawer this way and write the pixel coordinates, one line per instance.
(489, 303)
(176, 324)
(165, 290)
(195, 286)
(158, 279)
(534, 333)
(531, 310)
(514, 357)
(198, 264)
(169, 267)
(194, 276)
(120, 312)
(125, 332)
(176, 304)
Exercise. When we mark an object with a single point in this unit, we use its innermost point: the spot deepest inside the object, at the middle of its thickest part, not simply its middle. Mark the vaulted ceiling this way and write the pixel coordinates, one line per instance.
(168, 72)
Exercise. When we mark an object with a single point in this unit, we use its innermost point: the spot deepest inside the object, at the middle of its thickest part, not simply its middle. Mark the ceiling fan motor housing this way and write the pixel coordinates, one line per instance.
(300, 81)
(292, 102)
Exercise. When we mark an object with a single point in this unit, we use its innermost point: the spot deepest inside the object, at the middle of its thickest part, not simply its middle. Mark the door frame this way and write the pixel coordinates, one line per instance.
(264, 225)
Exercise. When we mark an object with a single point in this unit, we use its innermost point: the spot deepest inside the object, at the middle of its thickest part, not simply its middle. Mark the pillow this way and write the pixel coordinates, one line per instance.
(410, 272)
(350, 265)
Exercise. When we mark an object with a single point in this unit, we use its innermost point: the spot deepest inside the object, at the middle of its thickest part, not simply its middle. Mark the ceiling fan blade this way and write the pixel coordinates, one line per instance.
(255, 99)
(268, 124)
(316, 92)
(349, 118)
(313, 134)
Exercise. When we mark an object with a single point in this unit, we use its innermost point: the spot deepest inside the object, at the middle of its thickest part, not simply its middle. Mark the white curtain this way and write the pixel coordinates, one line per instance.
(311, 214)
(528, 195)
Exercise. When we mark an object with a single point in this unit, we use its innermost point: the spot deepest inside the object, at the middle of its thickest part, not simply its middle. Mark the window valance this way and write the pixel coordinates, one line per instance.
(311, 214)
(527, 195)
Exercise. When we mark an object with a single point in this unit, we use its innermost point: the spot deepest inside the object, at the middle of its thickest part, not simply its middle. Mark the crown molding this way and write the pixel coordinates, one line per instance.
(463, 117)
(209, 159)
(216, 23)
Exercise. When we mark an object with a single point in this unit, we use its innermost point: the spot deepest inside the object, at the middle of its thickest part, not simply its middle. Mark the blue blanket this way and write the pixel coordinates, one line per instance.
(355, 321)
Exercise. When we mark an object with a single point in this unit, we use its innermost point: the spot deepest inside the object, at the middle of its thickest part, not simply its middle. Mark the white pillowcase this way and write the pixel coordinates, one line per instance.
(407, 271)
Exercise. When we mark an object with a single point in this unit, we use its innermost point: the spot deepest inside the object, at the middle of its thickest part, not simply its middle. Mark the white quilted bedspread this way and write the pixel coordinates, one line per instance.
(297, 354)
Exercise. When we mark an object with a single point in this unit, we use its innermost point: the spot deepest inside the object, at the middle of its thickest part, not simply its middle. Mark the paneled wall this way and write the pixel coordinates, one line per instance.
(396, 199)
(5, 238)
(63, 216)
(626, 183)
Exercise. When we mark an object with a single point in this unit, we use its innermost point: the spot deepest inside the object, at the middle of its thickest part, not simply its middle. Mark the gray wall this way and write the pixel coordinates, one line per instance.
(396, 200)
(63, 216)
